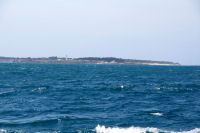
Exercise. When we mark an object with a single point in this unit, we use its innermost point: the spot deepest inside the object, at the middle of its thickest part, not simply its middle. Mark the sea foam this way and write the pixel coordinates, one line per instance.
(103, 129)
(3, 131)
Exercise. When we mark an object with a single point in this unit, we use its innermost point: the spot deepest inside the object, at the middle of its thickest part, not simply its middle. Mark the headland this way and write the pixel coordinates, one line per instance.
(85, 60)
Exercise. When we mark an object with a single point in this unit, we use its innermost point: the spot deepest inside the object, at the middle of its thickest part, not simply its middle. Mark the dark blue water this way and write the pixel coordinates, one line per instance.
(78, 98)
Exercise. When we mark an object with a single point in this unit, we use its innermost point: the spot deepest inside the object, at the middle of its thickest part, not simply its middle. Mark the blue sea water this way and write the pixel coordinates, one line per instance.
(99, 98)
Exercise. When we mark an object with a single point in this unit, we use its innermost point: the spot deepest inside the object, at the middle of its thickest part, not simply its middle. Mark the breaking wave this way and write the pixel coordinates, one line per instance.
(103, 129)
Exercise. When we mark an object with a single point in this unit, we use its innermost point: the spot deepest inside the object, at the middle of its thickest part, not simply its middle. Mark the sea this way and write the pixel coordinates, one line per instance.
(85, 98)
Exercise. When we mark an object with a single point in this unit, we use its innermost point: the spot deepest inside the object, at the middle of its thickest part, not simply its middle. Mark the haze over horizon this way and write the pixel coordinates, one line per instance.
(148, 30)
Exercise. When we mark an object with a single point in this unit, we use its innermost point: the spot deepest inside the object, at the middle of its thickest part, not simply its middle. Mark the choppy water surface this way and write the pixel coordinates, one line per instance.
(99, 98)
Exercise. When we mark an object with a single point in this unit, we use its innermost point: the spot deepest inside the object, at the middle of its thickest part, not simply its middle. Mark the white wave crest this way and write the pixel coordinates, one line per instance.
(157, 114)
(40, 89)
(103, 129)
(3, 131)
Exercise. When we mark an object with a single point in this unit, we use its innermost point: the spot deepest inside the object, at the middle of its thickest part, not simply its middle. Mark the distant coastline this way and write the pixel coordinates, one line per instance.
(86, 60)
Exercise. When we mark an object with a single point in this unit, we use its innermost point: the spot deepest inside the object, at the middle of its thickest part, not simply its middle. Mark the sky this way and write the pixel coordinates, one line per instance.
(163, 30)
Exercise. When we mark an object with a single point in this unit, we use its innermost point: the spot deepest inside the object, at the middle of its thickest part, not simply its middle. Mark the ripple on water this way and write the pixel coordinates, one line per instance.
(40, 89)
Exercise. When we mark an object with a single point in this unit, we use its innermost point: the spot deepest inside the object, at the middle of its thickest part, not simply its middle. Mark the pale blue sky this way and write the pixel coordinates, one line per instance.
(138, 29)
